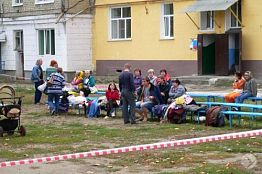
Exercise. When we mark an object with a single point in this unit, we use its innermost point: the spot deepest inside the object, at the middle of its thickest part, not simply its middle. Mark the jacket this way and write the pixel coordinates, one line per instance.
(154, 91)
(58, 83)
(251, 87)
(177, 92)
(36, 74)
(112, 95)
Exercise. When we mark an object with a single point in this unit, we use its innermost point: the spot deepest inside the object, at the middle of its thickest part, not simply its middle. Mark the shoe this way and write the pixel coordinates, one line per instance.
(127, 122)
(134, 122)
(53, 112)
(234, 109)
(113, 114)
(139, 119)
(106, 117)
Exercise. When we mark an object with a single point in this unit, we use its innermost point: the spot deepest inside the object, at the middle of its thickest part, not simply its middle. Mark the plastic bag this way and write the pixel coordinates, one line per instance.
(42, 87)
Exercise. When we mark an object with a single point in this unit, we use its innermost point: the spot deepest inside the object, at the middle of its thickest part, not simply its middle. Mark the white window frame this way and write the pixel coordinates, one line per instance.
(163, 26)
(118, 19)
(44, 1)
(50, 39)
(211, 21)
(18, 34)
(14, 3)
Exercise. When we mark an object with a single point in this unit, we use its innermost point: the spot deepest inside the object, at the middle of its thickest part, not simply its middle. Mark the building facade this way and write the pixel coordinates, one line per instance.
(47, 29)
(183, 36)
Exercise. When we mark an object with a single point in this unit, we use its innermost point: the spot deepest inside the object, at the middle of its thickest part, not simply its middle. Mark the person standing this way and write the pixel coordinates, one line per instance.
(51, 69)
(127, 89)
(55, 90)
(37, 78)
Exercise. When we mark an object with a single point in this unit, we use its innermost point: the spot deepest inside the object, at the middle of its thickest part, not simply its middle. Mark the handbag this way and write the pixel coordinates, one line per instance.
(50, 82)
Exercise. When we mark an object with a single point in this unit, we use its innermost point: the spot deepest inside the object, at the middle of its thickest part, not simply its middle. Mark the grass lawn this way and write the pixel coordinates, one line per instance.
(48, 135)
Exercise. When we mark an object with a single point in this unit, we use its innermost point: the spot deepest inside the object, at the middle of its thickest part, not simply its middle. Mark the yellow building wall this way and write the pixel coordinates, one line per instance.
(252, 30)
(145, 43)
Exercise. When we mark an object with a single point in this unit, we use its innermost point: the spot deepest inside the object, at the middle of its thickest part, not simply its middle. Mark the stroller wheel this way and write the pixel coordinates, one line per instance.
(22, 131)
(1, 132)
(11, 132)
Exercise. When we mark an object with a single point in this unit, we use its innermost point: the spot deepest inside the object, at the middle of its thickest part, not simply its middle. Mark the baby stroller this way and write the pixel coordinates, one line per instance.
(10, 107)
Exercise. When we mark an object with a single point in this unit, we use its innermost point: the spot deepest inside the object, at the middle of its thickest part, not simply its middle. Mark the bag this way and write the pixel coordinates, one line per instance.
(176, 115)
(50, 82)
(159, 110)
(93, 90)
(214, 117)
(42, 87)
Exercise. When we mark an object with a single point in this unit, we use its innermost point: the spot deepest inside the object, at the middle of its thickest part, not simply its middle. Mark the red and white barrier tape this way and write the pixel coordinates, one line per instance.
(135, 148)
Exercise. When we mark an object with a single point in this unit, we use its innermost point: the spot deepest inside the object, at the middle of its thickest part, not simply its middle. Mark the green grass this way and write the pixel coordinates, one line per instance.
(75, 134)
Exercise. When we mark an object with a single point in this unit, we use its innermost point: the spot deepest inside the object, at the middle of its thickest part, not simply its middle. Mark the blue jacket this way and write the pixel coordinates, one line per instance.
(89, 82)
(36, 72)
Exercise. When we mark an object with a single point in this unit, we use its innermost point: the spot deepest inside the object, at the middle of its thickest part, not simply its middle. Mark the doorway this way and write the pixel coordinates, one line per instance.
(219, 54)
(19, 54)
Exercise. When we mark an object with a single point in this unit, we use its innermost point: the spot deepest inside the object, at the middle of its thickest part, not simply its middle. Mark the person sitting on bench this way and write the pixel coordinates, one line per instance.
(238, 85)
(250, 88)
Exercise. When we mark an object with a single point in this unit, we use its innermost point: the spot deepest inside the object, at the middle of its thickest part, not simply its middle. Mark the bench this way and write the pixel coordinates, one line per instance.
(221, 96)
(207, 96)
(231, 113)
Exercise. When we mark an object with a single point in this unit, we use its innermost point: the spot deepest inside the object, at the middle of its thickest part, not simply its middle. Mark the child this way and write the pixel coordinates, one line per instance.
(112, 95)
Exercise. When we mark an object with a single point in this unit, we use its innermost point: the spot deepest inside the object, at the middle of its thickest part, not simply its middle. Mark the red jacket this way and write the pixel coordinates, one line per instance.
(112, 95)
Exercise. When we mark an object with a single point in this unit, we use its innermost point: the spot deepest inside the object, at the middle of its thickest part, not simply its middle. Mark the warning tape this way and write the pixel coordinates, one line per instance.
(154, 146)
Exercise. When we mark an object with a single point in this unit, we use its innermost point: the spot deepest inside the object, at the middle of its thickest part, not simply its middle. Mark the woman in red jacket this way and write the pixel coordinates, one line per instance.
(112, 95)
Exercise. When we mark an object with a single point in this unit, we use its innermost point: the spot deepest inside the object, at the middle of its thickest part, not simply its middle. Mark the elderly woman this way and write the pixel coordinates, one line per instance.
(250, 88)
(37, 78)
(176, 90)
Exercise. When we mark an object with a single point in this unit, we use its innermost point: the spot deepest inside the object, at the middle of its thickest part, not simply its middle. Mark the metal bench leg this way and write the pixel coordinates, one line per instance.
(239, 120)
(230, 120)
(198, 121)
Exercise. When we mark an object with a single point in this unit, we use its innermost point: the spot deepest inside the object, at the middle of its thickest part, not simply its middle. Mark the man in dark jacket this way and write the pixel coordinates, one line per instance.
(148, 96)
(127, 89)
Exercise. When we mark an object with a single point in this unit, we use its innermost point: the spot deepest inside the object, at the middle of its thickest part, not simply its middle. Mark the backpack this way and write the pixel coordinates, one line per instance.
(160, 110)
(176, 115)
(214, 117)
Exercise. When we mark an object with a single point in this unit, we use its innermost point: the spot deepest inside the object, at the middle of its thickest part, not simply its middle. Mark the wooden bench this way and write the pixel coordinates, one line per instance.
(231, 113)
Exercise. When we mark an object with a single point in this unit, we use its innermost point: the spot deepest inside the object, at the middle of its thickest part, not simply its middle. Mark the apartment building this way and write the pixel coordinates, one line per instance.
(47, 29)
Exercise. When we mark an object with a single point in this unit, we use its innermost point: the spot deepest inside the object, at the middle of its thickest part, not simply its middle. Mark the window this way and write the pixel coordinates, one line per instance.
(17, 2)
(207, 20)
(43, 1)
(46, 42)
(236, 8)
(18, 40)
(167, 21)
(120, 20)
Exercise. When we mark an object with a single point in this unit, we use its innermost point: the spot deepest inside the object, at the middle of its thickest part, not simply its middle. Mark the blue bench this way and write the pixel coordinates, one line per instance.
(221, 96)
(207, 96)
(231, 113)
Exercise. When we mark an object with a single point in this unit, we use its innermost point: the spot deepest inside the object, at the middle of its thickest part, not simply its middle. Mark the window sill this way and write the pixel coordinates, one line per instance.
(17, 5)
(45, 2)
(167, 38)
(207, 31)
(117, 40)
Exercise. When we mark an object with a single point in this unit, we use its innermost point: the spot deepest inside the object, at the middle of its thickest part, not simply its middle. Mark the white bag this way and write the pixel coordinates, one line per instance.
(42, 87)
(93, 90)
